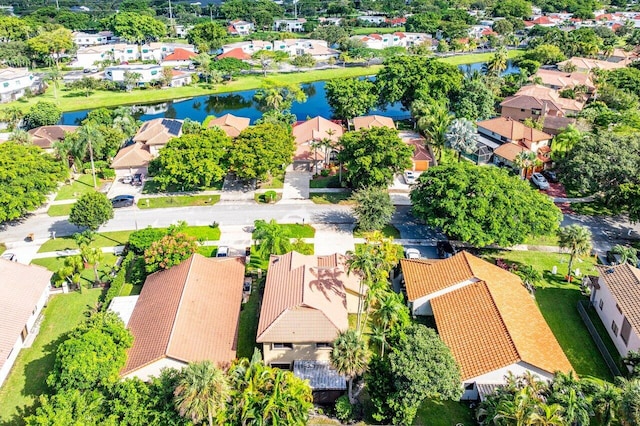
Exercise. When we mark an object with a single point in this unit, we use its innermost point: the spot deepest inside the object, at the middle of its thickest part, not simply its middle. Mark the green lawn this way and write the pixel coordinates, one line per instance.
(80, 186)
(296, 230)
(557, 300)
(151, 187)
(130, 290)
(260, 198)
(178, 201)
(276, 182)
(444, 413)
(60, 209)
(27, 378)
(472, 58)
(208, 251)
(376, 30)
(248, 326)
(103, 239)
(388, 231)
(542, 240)
(87, 275)
(325, 182)
(3, 248)
(598, 207)
(343, 198)
(203, 233)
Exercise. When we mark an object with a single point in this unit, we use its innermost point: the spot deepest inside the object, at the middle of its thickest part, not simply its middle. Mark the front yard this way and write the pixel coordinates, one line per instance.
(87, 275)
(80, 186)
(28, 377)
(178, 201)
(103, 239)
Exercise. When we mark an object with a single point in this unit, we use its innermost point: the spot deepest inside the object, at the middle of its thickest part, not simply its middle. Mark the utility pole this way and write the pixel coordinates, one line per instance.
(173, 24)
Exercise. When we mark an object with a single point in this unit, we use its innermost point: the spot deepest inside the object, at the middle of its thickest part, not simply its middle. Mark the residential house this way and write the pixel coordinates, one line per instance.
(486, 317)
(397, 39)
(248, 47)
(148, 73)
(46, 136)
(500, 140)
(117, 53)
(373, 19)
(318, 49)
(422, 156)
(313, 138)
(239, 27)
(179, 58)
(544, 21)
(329, 21)
(369, 121)
(621, 55)
(82, 39)
(157, 51)
(236, 53)
(588, 64)
(559, 80)
(180, 78)
(131, 160)
(185, 314)
(156, 133)
(24, 290)
(615, 295)
(305, 306)
(230, 124)
(14, 82)
(289, 25)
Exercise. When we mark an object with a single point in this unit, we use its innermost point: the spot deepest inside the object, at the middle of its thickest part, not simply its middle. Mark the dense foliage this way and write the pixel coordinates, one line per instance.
(92, 210)
(482, 205)
(43, 113)
(169, 251)
(373, 208)
(350, 97)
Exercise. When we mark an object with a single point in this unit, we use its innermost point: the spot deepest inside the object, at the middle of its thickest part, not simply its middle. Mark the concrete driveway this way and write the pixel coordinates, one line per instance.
(296, 185)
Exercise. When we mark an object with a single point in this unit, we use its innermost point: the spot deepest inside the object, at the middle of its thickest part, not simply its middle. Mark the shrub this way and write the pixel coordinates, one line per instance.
(270, 196)
(324, 172)
(344, 409)
(141, 240)
(118, 281)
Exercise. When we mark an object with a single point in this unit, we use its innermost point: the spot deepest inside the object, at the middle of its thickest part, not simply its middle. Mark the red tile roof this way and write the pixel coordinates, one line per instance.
(180, 55)
(236, 53)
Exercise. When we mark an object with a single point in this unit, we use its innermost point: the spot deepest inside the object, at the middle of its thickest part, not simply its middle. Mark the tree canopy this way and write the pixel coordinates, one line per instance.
(135, 27)
(169, 251)
(91, 210)
(350, 97)
(207, 36)
(373, 208)
(482, 205)
(372, 156)
(43, 113)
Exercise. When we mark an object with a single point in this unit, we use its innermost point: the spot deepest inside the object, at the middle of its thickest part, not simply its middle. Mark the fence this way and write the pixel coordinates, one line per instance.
(613, 366)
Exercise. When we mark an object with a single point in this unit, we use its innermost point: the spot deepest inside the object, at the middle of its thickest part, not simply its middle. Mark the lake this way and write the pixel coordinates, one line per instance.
(242, 104)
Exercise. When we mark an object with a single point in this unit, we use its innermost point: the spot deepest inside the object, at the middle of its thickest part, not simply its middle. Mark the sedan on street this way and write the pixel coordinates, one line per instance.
(122, 201)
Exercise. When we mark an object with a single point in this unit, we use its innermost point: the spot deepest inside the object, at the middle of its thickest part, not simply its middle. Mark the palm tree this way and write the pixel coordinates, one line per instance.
(462, 136)
(85, 138)
(389, 312)
(530, 276)
(627, 254)
(365, 262)
(202, 392)
(349, 357)
(605, 403)
(547, 415)
(629, 407)
(124, 121)
(54, 76)
(516, 411)
(524, 161)
(497, 63)
(577, 239)
(271, 238)
(20, 136)
(433, 120)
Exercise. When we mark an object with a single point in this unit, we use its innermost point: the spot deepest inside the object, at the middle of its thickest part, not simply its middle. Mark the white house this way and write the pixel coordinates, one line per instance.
(24, 290)
(486, 317)
(373, 19)
(239, 27)
(179, 58)
(148, 72)
(615, 295)
(157, 51)
(292, 46)
(14, 82)
(119, 52)
(289, 25)
(82, 39)
(397, 39)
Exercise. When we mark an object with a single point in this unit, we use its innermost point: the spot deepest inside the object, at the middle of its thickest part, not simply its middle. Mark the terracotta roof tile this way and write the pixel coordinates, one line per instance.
(513, 130)
(314, 129)
(370, 121)
(132, 156)
(158, 131)
(45, 136)
(180, 55)
(189, 313)
(230, 124)
(624, 283)
(236, 53)
(509, 151)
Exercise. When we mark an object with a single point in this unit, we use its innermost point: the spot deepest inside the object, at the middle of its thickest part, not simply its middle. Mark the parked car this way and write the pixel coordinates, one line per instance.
(223, 251)
(614, 258)
(10, 256)
(538, 180)
(127, 179)
(410, 177)
(122, 201)
(551, 175)
(412, 253)
(445, 249)
(137, 179)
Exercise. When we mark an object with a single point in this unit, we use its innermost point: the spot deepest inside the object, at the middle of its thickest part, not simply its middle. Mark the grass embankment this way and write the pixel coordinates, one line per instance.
(557, 300)
(178, 201)
(60, 209)
(74, 101)
(27, 379)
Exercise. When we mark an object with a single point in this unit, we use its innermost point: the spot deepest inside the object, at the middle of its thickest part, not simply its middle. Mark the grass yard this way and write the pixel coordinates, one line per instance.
(296, 230)
(343, 198)
(261, 198)
(178, 201)
(598, 207)
(557, 300)
(130, 290)
(473, 58)
(151, 187)
(444, 413)
(542, 240)
(208, 251)
(3, 248)
(203, 233)
(248, 326)
(325, 182)
(103, 239)
(276, 182)
(27, 379)
(388, 231)
(87, 276)
(60, 209)
(80, 186)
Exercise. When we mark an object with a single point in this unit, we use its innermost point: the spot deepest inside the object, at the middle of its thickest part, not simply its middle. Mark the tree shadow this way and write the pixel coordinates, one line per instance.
(333, 217)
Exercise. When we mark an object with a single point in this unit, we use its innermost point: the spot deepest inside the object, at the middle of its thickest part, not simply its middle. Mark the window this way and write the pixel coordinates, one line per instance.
(521, 109)
(625, 331)
(614, 328)
(323, 345)
(144, 50)
(5, 84)
(129, 51)
(154, 72)
(601, 304)
(282, 346)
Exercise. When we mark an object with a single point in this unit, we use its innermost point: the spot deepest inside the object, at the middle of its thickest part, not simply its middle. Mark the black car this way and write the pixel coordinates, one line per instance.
(445, 249)
(550, 175)
(122, 201)
(137, 180)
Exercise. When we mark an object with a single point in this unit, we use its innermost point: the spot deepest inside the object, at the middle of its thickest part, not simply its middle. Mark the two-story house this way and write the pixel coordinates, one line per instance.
(239, 27)
(82, 39)
(615, 295)
(289, 25)
(14, 82)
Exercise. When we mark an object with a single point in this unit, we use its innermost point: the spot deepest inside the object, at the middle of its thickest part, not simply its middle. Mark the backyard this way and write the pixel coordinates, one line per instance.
(28, 377)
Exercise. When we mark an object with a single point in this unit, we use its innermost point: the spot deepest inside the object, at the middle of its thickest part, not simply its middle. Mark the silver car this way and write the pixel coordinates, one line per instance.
(540, 181)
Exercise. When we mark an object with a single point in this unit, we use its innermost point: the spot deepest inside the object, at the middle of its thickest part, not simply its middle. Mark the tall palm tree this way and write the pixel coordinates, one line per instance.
(388, 312)
(462, 136)
(54, 76)
(271, 238)
(547, 415)
(433, 119)
(516, 411)
(497, 63)
(577, 239)
(365, 263)
(202, 393)
(84, 141)
(629, 406)
(605, 403)
(524, 160)
(349, 357)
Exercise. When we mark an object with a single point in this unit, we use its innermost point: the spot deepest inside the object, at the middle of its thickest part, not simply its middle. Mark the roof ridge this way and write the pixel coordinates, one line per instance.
(175, 317)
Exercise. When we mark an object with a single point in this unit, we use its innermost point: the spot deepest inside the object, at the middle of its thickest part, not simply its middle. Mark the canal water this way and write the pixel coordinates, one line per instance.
(242, 104)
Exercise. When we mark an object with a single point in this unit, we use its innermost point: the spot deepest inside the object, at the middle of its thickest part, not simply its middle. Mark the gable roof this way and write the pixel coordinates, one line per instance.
(158, 131)
(418, 143)
(189, 313)
(509, 151)
(21, 287)
(369, 121)
(314, 129)
(563, 79)
(230, 124)
(623, 282)
(530, 102)
(512, 328)
(304, 299)
(236, 53)
(134, 155)
(180, 54)
(549, 94)
(513, 130)
(45, 136)
(588, 64)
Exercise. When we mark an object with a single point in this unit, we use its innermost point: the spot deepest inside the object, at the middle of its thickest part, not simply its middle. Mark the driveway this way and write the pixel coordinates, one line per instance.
(296, 185)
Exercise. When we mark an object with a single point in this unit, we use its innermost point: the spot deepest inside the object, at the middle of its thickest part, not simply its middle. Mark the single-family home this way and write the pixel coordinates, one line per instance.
(615, 295)
(147, 73)
(318, 49)
(373, 19)
(179, 58)
(621, 55)
(313, 139)
(187, 313)
(46, 136)
(91, 55)
(305, 306)
(83, 39)
(289, 25)
(157, 51)
(248, 47)
(230, 124)
(14, 82)
(180, 78)
(24, 290)
(239, 27)
(559, 80)
(235, 53)
(587, 64)
(500, 140)
(369, 121)
(486, 317)
(131, 160)
(422, 156)
(329, 21)
(156, 133)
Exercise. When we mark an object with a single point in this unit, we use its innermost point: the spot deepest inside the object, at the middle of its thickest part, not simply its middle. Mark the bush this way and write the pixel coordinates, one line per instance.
(136, 272)
(270, 196)
(118, 281)
(324, 172)
(344, 409)
(141, 240)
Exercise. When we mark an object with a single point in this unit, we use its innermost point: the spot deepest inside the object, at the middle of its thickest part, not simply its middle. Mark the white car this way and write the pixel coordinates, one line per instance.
(410, 177)
(412, 253)
(538, 180)
(223, 251)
